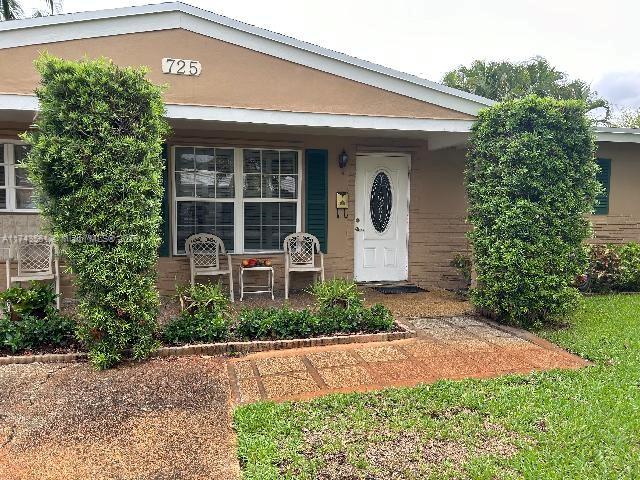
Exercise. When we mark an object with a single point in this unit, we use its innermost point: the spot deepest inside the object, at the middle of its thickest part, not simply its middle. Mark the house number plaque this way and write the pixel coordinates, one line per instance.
(180, 66)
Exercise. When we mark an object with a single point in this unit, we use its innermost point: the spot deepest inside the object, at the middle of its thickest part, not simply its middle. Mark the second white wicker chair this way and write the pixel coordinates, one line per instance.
(300, 250)
(206, 253)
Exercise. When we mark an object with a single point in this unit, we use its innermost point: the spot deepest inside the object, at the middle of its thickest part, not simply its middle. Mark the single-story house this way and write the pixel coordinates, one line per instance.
(272, 134)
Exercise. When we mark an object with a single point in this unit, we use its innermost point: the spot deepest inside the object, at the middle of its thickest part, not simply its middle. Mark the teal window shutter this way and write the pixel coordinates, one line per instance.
(316, 190)
(165, 227)
(604, 177)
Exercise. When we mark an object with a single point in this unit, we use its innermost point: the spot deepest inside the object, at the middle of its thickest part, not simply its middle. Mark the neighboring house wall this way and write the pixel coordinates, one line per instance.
(622, 224)
(232, 76)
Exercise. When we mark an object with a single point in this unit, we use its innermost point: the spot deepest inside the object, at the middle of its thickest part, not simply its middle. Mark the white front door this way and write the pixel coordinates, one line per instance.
(381, 217)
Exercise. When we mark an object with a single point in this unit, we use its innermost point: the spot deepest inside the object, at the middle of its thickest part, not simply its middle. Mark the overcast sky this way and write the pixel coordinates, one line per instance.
(594, 41)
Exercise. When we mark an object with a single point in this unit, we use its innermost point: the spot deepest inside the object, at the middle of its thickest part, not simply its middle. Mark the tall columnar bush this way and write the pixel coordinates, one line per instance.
(530, 181)
(96, 164)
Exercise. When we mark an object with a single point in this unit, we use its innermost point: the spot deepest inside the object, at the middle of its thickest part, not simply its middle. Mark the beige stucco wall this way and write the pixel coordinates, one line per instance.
(232, 76)
(623, 222)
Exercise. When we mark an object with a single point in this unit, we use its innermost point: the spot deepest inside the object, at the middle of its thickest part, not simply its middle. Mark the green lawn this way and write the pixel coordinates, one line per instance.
(561, 424)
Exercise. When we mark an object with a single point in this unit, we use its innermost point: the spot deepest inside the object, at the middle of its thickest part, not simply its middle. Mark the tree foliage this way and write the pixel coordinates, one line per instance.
(628, 118)
(12, 9)
(96, 165)
(530, 181)
(508, 80)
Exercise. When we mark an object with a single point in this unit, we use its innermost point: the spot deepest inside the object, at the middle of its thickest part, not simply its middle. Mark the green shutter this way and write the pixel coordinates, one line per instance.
(165, 249)
(604, 177)
(316, 191)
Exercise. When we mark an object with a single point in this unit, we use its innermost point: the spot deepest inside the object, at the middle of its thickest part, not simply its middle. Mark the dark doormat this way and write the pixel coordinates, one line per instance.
(391, 289)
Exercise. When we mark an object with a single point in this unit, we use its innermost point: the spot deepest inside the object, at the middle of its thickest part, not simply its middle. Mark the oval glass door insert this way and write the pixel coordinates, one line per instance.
(381, 202)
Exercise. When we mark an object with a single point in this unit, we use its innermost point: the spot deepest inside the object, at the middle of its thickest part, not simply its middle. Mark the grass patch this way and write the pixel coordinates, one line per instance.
(552, 425)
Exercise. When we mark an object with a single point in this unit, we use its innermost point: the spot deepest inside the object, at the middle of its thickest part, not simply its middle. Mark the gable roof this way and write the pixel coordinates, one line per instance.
(172, 15)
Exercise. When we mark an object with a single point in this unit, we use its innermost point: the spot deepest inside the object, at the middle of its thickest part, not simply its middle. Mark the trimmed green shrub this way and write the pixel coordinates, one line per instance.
(629, 279)
(338, 292)
(530, 179)
(96, 166)
(284, 323)
(29, 320)
(275, 323)
(204, 316)
(201, 326)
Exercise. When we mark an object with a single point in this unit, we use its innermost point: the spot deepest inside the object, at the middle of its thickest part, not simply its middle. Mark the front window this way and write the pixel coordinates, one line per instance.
(16, 191)
(250, 198)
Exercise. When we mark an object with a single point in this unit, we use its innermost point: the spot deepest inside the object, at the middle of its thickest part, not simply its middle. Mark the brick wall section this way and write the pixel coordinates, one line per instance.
(615, 228)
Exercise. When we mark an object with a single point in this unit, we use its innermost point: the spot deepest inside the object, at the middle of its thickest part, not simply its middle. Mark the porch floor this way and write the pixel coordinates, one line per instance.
(411, 305)
(446, 348)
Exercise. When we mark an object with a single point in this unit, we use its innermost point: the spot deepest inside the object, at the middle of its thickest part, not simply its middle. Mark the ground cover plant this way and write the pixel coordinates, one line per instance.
(531, 180)
(339, 309)
(551, 425)
(96, 166)
(30, 322)
(612, 268)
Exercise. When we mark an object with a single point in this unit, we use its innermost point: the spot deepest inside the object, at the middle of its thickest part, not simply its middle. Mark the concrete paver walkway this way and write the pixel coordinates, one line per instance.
(452, 348)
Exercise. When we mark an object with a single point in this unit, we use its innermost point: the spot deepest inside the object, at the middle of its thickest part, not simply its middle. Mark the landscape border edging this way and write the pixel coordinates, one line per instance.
(230, 347)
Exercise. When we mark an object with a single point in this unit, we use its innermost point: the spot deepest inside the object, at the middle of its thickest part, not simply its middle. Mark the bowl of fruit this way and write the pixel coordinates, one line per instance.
(256, 262)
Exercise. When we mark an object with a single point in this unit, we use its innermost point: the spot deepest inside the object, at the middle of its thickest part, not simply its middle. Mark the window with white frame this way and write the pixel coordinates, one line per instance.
(16, 191)
(250, 197)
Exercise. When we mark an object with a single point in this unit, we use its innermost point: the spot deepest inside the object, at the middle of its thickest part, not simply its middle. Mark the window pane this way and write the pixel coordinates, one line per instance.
(185, 158)
(270, 238)
(24, 198)
(185, 184)
(205, 217)
(205, 213)
(21, 177)
(252, 185)
(224, 185)
(205, 159)
(288, 162)
(270, 161)
(270, 186)
(224, 213)
(2, 153)
(20, 153)
(224, 160)
(288, 186)
(186, 213)
(2, 175)
(251, 161)
(184, 232)
(270, 214)
(3, 198)
(205, 184)
(267, 223)
(288, 213)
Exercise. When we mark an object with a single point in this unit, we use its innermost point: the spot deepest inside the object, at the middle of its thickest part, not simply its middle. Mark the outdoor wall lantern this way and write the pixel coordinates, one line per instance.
(343, 158)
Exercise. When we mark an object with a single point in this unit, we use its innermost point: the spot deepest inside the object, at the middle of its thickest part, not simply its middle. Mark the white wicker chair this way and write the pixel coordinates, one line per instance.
(205, 252)
(300, 251)
(37, 260)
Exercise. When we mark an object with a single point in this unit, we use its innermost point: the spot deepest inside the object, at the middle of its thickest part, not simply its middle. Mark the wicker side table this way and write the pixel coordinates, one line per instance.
(251, 289)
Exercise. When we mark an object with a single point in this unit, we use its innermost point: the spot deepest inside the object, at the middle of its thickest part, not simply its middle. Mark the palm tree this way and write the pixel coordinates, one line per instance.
(11, 9)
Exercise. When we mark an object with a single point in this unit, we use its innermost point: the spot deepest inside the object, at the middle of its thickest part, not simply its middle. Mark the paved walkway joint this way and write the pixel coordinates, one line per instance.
(446, 348)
